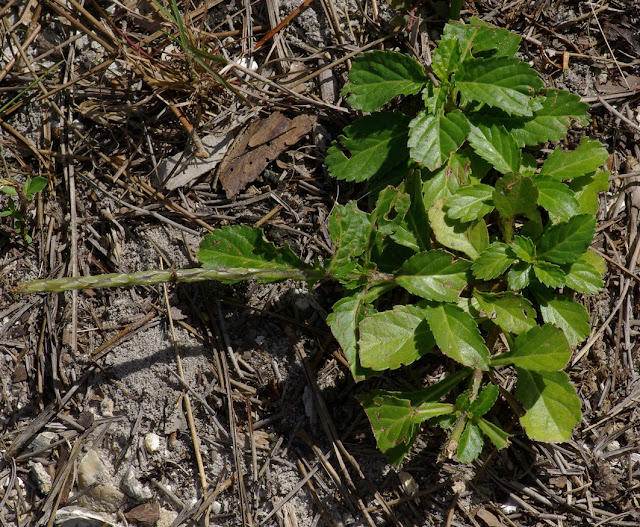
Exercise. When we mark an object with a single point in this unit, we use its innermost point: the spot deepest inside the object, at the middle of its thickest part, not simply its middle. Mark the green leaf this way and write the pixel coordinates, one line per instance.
(376, 145)
(432, 138)
(391, 207)
(472, 167)
(597, 261)
(9, 190)
(515, 195)
(512, 312)
(434, 97)
(377, 77)
(565, 242)
(478, 235)
(446, 58)
(528, 165)
(392, 338)
(586, 188)
(589, 156)
(552, 406)
(496, 435)
(485, 400)
(582, 276)
(549, 122)
(349, 228)
(556, 198)
(470, 444)
(463, 402)
(500, 82)
(542, 348)
(401, 216)
(396, 421)
(523, 248)
(482, 37)
(438, 185)
(493, 261)
(470, 203)
(432, 275)
(455, 235)
(457, 335)
(438, 390)
(568, 315)
(495, 145)
(389, 216)
(549, 274)
(343, 321)
(492, 38)
(245, 247)
(35, 185)
(417, 218)
(519, 276)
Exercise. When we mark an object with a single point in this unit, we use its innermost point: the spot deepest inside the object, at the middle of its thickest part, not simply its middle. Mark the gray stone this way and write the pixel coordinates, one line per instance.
(133, 488)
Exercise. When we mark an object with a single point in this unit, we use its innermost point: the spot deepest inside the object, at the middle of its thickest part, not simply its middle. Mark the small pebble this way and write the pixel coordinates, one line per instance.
(41, 477)
(106, 407)
(166, 517)
(152, 443)
(133, 488)
(408, 483)
(103, 497)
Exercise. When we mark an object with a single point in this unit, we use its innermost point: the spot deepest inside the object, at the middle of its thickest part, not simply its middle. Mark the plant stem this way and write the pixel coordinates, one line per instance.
(58, 285)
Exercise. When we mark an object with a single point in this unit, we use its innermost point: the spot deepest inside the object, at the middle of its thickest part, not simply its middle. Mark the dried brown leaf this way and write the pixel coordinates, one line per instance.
(488, 518)
(262, 142)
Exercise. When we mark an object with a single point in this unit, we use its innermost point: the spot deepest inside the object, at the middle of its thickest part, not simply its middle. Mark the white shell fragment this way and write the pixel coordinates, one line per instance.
(249, 63)
(152, 443)
(510, 506)
(81, 517)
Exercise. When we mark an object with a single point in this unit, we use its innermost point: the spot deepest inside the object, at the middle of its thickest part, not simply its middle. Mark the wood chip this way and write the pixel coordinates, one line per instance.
(145, 514)
(20, 373)
(261, 143)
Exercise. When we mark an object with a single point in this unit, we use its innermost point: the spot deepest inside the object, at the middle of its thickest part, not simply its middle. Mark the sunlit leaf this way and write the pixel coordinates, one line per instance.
(542, 348)
(457, 335)
(433, 138)
(377, 77)
(433, 275)
(512, 312)
(551, 403)
(393, 338)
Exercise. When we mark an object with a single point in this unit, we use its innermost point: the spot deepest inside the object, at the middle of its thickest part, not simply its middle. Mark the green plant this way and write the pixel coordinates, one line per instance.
(18, 211)
(192, 51)
(465, 222)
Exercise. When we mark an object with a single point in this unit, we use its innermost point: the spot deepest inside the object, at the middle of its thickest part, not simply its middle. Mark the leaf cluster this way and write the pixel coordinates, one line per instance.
(16, 209)
(484, 239)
